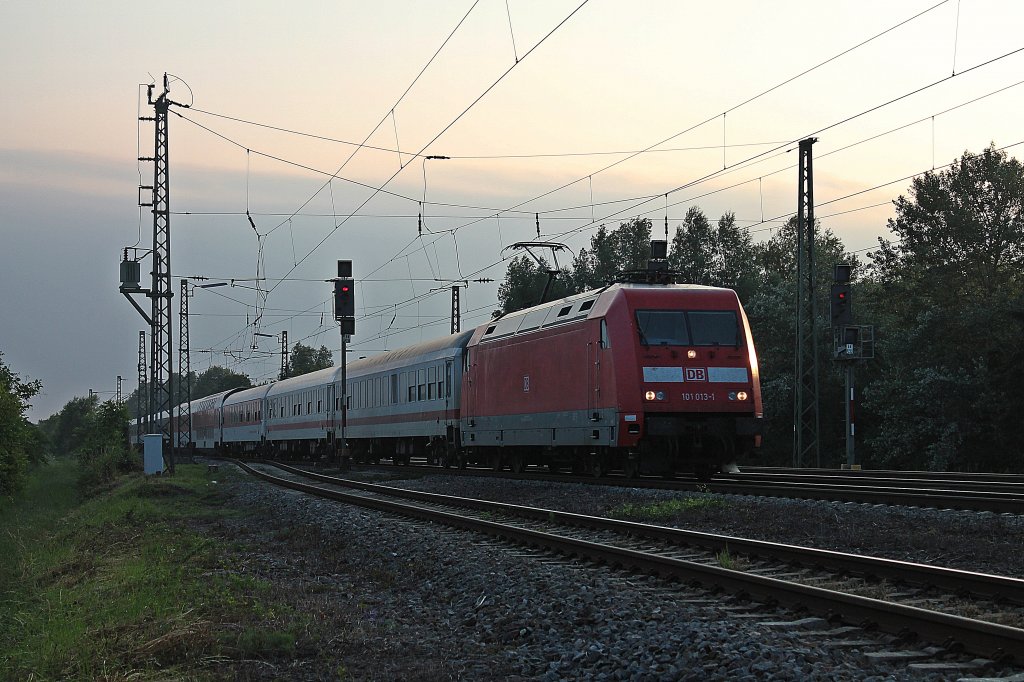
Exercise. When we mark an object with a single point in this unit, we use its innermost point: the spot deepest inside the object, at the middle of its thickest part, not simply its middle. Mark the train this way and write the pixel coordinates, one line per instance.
(642, 378)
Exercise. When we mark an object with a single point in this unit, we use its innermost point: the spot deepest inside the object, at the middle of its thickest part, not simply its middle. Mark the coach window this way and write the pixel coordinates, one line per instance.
(394, 389)
(309, 407)
(448, 379)
(422, 387)
(319, 406)
(430, 383)
(606, 341)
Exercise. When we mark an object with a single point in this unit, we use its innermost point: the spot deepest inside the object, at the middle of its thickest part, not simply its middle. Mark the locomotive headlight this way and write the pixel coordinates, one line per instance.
(650, 395)
(742, 395)
(691, 354)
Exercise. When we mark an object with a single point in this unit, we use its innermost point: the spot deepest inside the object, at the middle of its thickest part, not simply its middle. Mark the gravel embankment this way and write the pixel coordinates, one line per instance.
(391, 599)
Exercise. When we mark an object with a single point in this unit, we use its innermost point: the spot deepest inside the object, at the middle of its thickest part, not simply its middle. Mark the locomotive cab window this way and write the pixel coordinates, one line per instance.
(662, 327)
(713, 327)
(688, 328)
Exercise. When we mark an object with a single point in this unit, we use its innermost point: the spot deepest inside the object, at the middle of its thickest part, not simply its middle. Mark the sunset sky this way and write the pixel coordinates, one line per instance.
(553, 133)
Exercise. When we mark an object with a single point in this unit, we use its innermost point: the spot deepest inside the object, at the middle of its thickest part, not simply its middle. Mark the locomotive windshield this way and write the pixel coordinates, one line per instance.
(687, 328)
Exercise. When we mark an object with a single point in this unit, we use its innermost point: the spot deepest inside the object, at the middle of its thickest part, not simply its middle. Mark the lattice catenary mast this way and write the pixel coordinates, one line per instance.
(806, 422)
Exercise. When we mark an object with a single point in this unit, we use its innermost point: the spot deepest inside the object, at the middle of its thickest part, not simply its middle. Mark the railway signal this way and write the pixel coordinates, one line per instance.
(841, 309)
(344, 299)
(345, 314)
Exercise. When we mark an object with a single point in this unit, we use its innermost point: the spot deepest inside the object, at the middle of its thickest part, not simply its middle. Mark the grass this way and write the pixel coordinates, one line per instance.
(124, 583)
(664, 510)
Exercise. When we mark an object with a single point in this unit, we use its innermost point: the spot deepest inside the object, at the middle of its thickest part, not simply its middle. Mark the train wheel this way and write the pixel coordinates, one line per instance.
(631, 467)
(517, 464)
(704, 471)
(460, 459)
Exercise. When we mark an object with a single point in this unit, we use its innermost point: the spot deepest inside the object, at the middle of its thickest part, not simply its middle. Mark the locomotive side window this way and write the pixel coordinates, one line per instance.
(606, 342)
(713, 327)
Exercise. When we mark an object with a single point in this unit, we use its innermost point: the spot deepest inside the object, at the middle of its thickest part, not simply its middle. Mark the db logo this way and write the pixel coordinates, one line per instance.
(696, 374)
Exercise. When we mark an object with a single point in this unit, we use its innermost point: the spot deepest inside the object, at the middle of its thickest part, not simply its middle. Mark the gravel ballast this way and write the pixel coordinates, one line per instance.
(389, 598)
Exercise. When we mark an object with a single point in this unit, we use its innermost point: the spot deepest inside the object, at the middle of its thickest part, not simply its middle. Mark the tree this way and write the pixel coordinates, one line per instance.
(217, 379)
(305, 359)
(694, 247)
(63, 428)
(19, 446)
(626, 248)
(738, 268)
(95, 433)
(722, 256)
(525, 281)
(947, 293)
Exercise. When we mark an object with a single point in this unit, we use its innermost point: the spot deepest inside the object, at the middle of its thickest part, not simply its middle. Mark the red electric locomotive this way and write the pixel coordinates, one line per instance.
(647, 378)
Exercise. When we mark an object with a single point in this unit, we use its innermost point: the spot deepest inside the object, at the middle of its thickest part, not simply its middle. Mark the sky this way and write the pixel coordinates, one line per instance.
(542, 107)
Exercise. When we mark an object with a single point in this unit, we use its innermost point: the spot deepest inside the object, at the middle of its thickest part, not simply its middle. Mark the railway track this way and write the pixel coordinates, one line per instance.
(1001, 496)
(911, 600)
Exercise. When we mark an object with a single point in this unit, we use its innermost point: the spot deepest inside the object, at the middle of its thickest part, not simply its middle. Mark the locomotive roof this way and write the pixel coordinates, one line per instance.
(571, 308)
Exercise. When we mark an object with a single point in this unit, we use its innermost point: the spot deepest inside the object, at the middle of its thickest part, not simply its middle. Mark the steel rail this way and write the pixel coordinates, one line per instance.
(902, 483)
(1003, 503)
(965, 500)
(890, 473)
(954, 580)
(994, 641)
